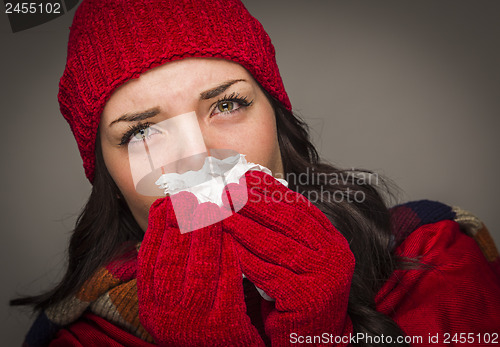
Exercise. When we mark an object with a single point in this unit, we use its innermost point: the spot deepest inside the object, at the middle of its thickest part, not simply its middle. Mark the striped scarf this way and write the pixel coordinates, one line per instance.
(111, 292)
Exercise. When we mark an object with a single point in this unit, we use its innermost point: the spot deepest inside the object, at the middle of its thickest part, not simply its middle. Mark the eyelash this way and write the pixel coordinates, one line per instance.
(233, 97)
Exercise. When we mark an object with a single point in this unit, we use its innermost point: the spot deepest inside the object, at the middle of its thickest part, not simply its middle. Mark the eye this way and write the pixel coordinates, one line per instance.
(143, 134)
(230, 103)
(226, 106)
(138, 133)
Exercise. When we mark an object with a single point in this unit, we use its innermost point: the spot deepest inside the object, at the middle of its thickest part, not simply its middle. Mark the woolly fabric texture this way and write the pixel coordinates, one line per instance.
(112, 292)
(114, 41)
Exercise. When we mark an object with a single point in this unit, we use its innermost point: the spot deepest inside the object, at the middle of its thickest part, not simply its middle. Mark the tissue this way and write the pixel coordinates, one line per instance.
(208, 183)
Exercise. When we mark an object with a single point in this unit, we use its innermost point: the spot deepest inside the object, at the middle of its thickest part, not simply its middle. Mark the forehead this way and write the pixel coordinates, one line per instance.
(173, 82)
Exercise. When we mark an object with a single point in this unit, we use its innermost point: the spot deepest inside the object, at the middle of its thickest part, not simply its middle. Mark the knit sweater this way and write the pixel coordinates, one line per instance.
(455, 298)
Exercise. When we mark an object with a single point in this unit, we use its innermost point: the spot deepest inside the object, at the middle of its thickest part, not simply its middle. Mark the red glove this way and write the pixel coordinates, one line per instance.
(289, 248)
(190, 285)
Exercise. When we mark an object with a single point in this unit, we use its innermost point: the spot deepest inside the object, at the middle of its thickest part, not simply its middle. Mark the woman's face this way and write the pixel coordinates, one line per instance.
(232, 113)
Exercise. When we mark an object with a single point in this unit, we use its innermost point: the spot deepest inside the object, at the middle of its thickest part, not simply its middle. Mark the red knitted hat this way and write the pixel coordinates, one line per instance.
(113, 41)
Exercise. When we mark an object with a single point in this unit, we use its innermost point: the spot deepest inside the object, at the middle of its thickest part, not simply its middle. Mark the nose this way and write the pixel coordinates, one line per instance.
(186, 144)
(192, 162)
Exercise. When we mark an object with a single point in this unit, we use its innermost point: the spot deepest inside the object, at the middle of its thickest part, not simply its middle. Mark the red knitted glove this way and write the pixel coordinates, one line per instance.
(289, 248)
(190, 285)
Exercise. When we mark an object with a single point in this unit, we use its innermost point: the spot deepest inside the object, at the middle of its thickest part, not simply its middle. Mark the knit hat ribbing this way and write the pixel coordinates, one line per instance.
(113, 41)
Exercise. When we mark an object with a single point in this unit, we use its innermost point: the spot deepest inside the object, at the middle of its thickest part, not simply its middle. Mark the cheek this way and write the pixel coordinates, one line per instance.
(256, 138)
(261, 144)
(119, 169)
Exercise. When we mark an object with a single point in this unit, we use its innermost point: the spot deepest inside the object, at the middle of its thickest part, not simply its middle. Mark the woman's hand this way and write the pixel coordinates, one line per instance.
(289, 248)
(190, 285)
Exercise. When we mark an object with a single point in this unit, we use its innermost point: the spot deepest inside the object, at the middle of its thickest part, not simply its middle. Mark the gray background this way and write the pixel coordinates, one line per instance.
(407, 88)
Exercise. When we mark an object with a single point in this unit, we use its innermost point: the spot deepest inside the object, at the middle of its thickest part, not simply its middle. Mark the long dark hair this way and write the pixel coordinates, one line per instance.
(106, 224)
(104, 230)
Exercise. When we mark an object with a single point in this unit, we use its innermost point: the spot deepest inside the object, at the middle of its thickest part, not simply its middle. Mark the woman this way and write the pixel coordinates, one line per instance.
(355, 267)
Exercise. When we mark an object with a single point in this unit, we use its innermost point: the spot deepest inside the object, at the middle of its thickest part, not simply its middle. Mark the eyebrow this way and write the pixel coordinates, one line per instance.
(212, 93)
(208, 94)
(137, 116)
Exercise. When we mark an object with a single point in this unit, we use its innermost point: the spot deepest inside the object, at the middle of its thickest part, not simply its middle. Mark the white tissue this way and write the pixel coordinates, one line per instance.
(208, 183)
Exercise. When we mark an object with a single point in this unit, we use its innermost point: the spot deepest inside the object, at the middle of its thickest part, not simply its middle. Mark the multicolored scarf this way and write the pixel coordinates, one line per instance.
(112, 292)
